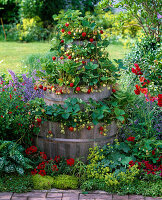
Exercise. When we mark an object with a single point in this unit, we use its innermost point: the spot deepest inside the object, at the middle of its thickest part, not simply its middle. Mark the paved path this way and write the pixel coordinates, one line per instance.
(55, 194)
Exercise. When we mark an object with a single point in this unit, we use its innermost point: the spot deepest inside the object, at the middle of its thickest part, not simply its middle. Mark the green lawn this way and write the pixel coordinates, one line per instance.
(12, 53)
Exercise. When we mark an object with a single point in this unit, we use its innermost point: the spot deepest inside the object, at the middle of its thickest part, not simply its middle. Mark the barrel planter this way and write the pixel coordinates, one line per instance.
(52, 98)
(72, 144)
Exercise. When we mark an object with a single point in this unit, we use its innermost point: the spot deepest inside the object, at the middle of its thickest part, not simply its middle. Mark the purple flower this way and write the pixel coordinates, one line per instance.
(159, 16)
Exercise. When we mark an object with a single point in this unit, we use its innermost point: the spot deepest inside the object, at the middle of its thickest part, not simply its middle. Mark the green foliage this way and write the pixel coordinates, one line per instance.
(12, 159)
(15, 183)
(42, 182)
(93, 184)
(17, 117)
(65, 182)
(145, 12)
(31, 29)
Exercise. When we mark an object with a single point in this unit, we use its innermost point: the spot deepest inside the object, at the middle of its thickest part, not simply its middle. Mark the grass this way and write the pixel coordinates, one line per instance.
(12, 53)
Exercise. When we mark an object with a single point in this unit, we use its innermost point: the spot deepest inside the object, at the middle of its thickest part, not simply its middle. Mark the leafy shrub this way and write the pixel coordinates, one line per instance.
(17, 119)
(93, 184)
(65, 182)
(42, 182)
(14, 183)
(32, 29)
(12, 159)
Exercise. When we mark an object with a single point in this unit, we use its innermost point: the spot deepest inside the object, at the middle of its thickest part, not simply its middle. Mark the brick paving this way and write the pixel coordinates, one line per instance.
(55, 194)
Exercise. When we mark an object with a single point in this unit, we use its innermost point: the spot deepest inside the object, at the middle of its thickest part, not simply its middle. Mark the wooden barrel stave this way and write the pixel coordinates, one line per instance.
(72, 144)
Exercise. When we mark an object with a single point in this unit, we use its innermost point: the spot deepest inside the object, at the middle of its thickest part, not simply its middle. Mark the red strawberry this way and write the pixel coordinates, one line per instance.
(69, 57)
(89, 91)
(71, 129)
(61, 57)
(89, 128)
(113, 90)
(71, 84)
(69, 33)
(53, 58)
(84, 34)
(91, 40)
(62, 30)
(35, 88)
(101, 128)
(78, 89)
(39, 120)
(101, 31)
(44, 88)
(62, 41)
(41, 86)
(66, 24)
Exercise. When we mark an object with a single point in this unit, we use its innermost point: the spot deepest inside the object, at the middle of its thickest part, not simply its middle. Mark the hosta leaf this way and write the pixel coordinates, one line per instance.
(20, 170)
(9, 168)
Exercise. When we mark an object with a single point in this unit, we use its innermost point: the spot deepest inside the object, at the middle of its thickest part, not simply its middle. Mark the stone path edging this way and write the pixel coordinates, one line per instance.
(55, 194)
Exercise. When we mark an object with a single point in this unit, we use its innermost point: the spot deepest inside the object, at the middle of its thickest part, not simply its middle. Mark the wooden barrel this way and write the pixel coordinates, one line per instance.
(52, 98)
(72, 144)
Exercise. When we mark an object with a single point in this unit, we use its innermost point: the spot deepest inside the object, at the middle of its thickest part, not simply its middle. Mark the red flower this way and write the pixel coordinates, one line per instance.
(53, 58)
(153, 152)
(83, 62)
(113, 90)
(137, 92)
(62, 41)
(34, 172)
(131, 162)
(41, 86)
(89, 128)
(10, 112)
(39, 120)
(134, 70)
(43, 155)
(42, 172)
(131, 139)
(44, 88)
(69, 33)
(16, 107)
(31, 150)
(160, 100)
(62, 30)
(71, 84)
(101, 31)
(66, 24)
(69, 57)
(54, 168)
(41, 165)
(84, 34)
(136, 65)
(10, 96)
(2, 116)
(57, 159)
(91, 40)
(101, 128)
(71, 129)
(70, 161)
(78, 89)
(144, 90)
(89, 91)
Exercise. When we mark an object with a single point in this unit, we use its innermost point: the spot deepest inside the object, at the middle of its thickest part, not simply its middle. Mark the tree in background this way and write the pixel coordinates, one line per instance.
(147, 13)
(9, 10)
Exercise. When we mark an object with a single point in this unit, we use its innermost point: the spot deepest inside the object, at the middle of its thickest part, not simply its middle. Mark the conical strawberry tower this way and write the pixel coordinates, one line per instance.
(76, 87)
